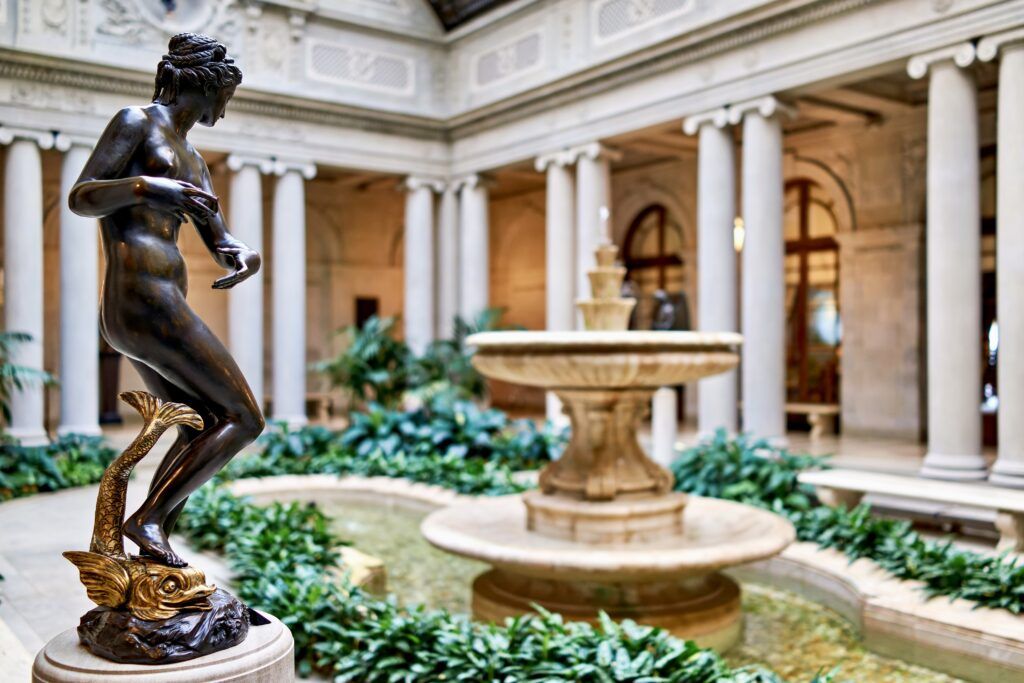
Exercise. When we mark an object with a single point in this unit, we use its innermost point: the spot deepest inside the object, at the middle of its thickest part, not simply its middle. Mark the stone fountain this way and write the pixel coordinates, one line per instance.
(605, 531)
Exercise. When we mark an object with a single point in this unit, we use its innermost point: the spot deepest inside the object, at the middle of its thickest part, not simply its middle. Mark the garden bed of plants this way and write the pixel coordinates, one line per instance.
(283, 557)
(70, 460)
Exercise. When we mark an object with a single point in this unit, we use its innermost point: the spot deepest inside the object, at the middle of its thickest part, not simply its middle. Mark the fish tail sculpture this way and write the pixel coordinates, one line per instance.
(148, 589)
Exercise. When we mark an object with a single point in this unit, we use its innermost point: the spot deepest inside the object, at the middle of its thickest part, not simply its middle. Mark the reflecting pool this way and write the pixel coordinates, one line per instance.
(783, 631)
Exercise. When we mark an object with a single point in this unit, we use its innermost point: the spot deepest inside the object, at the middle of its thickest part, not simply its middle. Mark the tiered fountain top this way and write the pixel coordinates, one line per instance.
(606, 354)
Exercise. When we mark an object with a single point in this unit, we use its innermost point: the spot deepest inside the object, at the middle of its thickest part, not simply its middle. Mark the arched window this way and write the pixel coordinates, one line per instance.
(652, 255)
(813, 328)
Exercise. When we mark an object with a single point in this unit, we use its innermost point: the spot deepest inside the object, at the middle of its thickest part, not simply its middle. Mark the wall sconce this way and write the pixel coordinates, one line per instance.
(739, 234)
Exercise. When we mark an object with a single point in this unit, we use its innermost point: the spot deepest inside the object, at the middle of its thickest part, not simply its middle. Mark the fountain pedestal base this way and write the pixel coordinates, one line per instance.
(623, 520)
(705, 609)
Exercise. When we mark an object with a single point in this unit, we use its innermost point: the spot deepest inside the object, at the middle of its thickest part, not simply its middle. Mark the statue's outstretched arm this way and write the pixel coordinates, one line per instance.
(227, 251)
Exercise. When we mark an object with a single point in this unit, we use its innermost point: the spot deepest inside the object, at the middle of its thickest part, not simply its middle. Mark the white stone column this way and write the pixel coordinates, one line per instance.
(474, 254)
(664, 425)
(79, 304)
(245, 300)
(953, 265)
(763, 372)
(559, 237)
(23, 272)
(447, 262)
(1009, 47)
(289, 291)
(418, 270)
(593, 209)
(716, 260)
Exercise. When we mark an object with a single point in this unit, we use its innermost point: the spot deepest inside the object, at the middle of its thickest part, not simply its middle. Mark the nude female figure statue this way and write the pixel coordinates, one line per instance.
(142, 181)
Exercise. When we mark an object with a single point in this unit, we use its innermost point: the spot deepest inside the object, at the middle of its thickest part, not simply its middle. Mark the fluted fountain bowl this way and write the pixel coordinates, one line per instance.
(604, 360)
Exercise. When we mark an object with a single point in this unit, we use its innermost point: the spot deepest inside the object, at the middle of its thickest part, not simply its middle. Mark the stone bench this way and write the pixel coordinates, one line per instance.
(821, 416)
(848, 487)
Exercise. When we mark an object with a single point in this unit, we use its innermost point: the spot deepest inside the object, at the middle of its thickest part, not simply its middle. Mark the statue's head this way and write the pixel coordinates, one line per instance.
(198, 68)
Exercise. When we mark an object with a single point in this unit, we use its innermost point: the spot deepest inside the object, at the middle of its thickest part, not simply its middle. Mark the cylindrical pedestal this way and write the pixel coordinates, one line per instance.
(705, 609)
(266, 656)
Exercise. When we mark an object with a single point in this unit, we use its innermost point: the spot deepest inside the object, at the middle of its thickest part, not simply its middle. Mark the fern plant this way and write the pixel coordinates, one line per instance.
(14, 377)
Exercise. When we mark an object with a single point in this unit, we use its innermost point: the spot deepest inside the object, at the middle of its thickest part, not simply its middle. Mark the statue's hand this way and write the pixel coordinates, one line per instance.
(179, 197)
(243, 261)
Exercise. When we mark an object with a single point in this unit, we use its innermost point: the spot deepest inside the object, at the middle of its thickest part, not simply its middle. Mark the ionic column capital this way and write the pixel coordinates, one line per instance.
(719, 118)
(563, 158)
(989, 47)
(961, 54)
(413, 182)
(472, 181)
(265, 165)
(766, 106)
(46, 139)
(62, 142)
(594, 151)
(306, 168)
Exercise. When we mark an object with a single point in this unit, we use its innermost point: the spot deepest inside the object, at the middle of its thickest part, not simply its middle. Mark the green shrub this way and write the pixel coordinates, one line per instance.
(71, 460)
(344, 632)
(16, 377)
(448, 363)
(751, 472)
(374, 366)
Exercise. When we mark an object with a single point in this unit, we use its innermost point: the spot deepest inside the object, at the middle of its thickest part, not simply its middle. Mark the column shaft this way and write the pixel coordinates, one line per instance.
(289, 292)
(79, 308)
(447, 263)
(560, 275)
(716, 269)
(953, 276)
(474, 254)
(418, 318)
(23, 281)
(245, 300)
(764, 331)
(1009, 467)
(664, 425)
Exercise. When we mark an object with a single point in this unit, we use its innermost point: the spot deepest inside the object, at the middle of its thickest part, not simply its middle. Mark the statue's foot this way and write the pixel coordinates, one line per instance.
(152, 542)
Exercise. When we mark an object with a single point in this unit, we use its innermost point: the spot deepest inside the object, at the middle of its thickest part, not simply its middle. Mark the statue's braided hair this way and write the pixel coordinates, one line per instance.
(197, 61)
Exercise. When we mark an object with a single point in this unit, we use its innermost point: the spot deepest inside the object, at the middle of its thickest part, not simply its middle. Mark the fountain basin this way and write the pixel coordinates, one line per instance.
(604, 359)
(668, 581)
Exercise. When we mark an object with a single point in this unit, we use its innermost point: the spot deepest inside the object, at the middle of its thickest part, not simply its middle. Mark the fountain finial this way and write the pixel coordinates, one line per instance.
(607, 309)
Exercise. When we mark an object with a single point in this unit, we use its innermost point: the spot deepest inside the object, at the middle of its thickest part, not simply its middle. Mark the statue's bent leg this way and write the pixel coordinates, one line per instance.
(163, 389)
(194, 361)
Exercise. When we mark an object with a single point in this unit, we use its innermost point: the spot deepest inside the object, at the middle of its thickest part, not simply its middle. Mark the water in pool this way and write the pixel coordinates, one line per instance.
(793, 636)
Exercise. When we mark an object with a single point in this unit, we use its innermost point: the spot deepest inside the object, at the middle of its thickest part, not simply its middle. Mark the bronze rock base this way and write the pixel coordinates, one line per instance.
(116, 635)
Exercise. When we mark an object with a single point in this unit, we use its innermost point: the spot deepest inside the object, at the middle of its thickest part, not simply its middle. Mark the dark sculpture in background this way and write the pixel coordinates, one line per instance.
(143, 180)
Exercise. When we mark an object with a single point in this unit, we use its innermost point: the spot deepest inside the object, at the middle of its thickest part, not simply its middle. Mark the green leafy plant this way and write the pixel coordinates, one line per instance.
(447, 364)
(343, 632)
(71, 460)
(15, 377)
(754, 473)
(374, 365)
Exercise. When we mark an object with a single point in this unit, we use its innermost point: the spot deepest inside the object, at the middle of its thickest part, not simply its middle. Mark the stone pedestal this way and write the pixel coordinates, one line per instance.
(705, 609)
(266, 656)
(560, 554)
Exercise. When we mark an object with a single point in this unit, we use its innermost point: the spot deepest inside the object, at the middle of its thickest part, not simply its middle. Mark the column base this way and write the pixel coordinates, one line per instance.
(83, 430)
(1007, 473)
(954, 467)
(292, 421)
(29, 437)
(265, 656)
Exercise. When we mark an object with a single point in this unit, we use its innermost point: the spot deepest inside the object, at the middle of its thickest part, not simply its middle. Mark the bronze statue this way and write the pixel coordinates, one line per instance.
(143, 180)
